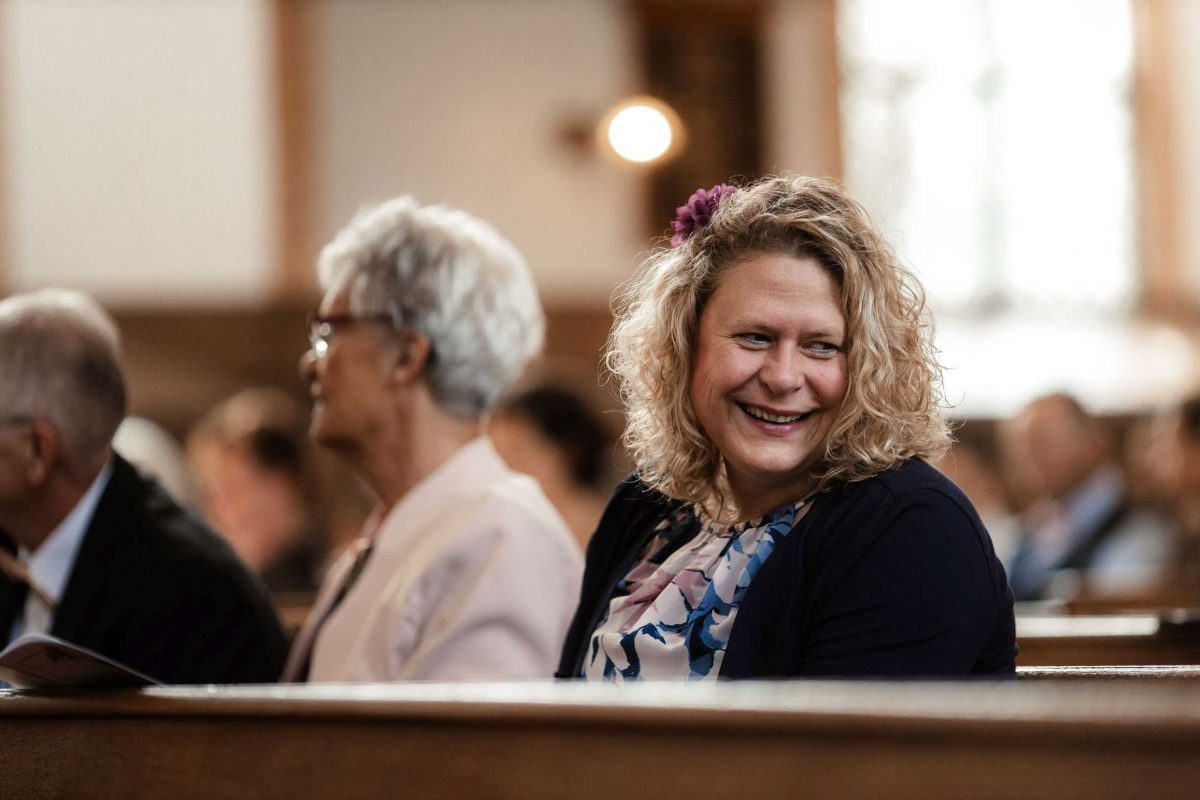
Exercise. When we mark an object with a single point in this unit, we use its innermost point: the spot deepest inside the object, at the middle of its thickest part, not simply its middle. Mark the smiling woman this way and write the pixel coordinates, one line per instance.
(782, 393)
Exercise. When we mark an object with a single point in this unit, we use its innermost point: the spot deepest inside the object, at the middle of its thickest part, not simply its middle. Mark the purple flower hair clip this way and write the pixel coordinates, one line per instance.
(698, 211)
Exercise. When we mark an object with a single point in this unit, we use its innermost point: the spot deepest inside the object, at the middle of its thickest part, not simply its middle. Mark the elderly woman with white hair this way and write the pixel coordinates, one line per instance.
(782, 395)
(465, 570)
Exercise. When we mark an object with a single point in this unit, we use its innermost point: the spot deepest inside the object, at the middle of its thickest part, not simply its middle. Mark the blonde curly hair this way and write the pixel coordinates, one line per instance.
(892, 410)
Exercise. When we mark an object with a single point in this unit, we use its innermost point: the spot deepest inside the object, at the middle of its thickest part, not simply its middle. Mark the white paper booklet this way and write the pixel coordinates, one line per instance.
(38, 661)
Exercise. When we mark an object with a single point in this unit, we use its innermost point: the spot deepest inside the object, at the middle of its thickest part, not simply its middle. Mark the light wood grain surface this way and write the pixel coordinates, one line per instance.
(1031, 738)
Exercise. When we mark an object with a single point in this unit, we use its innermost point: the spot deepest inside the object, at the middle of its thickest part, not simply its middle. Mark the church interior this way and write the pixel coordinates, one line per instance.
(1035, 163)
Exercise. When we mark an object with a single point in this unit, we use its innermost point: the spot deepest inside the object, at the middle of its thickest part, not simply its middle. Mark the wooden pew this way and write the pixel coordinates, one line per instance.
(1187, 673)
(1167, 638)
(1018, 739)
(1176, 592)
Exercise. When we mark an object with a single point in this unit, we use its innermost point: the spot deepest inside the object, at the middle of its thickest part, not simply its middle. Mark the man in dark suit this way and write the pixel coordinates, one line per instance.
(96, 553)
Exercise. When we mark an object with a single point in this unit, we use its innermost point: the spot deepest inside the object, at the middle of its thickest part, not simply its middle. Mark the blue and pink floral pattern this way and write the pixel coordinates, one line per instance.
(671, 616)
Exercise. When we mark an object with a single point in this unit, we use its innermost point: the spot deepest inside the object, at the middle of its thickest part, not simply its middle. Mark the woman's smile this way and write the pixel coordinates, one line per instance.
(771, 417)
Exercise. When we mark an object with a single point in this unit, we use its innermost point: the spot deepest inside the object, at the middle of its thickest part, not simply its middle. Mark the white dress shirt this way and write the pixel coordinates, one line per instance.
(50, 565)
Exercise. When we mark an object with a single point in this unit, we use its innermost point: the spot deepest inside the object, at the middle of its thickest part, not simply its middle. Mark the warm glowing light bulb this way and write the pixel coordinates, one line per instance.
(642, 131)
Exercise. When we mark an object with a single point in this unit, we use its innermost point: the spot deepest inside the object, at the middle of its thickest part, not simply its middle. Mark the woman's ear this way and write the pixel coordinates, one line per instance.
(411, 356)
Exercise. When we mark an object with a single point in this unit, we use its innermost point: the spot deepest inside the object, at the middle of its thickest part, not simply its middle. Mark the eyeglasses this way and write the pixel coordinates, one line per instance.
(321, 327)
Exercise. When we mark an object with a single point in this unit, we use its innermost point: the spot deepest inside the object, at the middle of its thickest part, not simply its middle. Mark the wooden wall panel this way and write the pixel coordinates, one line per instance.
(181, 362)
(293, 102)
(704, 59)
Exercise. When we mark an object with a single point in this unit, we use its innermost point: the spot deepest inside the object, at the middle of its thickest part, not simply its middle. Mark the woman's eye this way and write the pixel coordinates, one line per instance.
(753, 339)
(825, 348)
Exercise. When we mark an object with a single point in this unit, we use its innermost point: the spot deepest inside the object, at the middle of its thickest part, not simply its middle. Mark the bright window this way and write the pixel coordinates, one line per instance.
(993, 140)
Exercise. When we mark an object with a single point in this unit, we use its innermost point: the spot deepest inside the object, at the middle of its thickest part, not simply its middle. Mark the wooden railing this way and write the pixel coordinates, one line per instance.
(1187, 673)
(1032, 738)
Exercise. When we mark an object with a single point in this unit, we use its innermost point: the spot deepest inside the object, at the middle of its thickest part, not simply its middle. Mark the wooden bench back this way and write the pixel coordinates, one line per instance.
(1025, 739)
(1165, 638)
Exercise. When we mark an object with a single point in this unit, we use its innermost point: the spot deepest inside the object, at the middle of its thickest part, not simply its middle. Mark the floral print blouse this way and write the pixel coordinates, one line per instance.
(671, 616)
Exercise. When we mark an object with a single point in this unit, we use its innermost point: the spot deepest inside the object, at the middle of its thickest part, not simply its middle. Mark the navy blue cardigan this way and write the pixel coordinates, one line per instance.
(894, 576)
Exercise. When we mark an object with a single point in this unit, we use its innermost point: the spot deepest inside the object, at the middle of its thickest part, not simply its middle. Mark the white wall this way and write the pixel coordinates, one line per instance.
(461, 102)
(138, 149)
(139, 141)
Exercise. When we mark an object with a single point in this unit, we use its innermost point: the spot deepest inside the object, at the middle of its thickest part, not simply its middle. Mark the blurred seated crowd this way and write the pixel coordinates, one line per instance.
(1084, 508)
(1078, 506)
(781, 395)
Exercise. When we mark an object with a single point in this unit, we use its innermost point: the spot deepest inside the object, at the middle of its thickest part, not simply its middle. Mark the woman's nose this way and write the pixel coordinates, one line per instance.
(308, 366)
(783, 371)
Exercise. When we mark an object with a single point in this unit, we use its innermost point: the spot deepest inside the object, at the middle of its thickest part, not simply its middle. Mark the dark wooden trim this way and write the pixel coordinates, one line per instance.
(677, 13)
(181, 360)
(704, 59)
(291, 47)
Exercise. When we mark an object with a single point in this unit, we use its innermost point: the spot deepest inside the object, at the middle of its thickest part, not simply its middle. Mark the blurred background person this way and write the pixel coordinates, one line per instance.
(466, 570)
(982, 483)
(552, 433)
(1172, 459)
(249, 455)
(1078, 522)
(155, 452)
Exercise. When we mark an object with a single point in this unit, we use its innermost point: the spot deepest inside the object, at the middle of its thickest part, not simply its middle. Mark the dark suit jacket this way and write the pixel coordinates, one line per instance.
(894, 576)
(155, 588)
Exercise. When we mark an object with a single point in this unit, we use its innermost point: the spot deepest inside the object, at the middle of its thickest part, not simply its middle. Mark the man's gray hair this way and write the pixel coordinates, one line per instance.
(451, 277)
(59, 361)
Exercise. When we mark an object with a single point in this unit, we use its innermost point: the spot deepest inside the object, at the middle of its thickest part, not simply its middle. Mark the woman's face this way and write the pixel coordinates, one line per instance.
(770, 374)
(350, 382)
